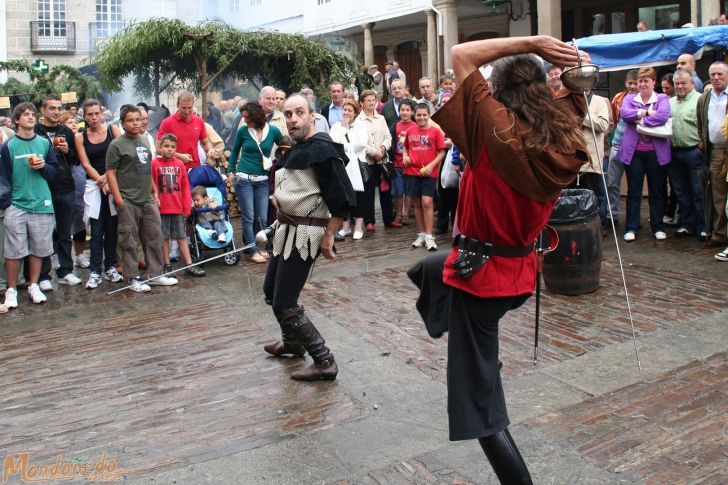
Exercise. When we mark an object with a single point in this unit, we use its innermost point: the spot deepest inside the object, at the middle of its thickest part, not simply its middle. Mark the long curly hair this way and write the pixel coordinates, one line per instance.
(519, 82)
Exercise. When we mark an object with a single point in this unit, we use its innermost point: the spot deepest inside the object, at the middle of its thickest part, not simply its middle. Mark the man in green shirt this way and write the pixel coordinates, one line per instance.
(687, 161)
(129, 174)
(27, 162)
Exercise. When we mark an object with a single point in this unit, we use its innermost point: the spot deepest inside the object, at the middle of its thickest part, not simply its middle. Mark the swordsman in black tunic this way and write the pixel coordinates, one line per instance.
(313, 196)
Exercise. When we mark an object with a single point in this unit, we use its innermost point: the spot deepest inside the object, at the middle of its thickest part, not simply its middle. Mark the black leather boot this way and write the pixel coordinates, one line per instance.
(505, 459)
(303, 330)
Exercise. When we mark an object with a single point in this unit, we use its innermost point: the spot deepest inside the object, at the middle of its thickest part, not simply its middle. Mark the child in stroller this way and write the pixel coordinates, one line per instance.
(211, 228)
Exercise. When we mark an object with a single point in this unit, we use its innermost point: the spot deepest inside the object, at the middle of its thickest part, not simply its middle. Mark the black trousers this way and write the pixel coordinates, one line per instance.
(446, 206)
(284, 281)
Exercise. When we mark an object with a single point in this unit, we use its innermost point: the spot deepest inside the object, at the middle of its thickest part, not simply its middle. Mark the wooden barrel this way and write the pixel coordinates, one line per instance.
(574, 267)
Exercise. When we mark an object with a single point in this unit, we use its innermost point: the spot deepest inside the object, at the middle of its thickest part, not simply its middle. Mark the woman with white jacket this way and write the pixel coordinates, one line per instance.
(352, 133)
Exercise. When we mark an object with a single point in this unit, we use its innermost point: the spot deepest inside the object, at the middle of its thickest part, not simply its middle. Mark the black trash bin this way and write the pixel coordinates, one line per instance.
(573, 268)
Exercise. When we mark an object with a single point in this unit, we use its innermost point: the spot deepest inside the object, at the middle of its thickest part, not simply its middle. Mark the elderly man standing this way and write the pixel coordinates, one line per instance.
(334, 112)
(686, 62)
(390, 110)
(268, 102)
(427, 91)
(189, 130)
(687, 161)
(712, 107)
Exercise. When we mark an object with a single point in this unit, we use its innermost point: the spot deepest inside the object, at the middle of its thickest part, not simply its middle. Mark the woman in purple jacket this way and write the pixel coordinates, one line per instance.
(645, 155)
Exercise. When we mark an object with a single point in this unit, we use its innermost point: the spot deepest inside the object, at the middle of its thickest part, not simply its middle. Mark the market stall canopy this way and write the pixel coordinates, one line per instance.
(613, 52)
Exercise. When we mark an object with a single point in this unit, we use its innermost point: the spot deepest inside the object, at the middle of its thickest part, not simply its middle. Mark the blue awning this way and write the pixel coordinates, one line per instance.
(612, 52)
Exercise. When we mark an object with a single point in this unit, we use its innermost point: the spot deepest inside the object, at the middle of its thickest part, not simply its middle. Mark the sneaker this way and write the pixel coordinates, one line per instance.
(682, 232)
(113, 275)
(35, 294)
(45, 285)
(629, 236)
(721, 256)
(93, 281)
(221, 238)
(357, 235)
(344, 233)
(210, 232)
(195, 271)
(167, 268)
(11, 298)
(138, 285)
(703, 236)
(430, 243)
(660, 236)
(82, 261)
(163, 281)
(70, 279)
(420, 241)
(55, 264)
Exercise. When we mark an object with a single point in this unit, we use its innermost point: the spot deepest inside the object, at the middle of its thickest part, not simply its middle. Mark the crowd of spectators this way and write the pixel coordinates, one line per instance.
(72, 180)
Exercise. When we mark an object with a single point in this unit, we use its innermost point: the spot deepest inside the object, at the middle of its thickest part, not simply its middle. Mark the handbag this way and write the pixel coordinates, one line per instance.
(388, 166)
(267, 161)
(662, 131)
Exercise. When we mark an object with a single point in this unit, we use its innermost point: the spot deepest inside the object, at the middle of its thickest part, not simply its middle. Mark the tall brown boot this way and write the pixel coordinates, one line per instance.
(288, 345)
(295, 322)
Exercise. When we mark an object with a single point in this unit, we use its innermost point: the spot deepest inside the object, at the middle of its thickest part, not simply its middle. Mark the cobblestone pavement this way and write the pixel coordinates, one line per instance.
(174, 387)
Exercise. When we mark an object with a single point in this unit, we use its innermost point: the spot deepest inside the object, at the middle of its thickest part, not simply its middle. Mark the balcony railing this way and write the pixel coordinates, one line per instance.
(52, 36)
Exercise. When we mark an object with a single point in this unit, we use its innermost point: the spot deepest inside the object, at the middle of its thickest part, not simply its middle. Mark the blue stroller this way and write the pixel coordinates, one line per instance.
(211, 179)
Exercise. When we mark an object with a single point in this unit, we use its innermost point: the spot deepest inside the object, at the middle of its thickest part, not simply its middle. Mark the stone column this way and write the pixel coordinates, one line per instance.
(432, 71)
(449, 9)
(549, 17)
(368, 44)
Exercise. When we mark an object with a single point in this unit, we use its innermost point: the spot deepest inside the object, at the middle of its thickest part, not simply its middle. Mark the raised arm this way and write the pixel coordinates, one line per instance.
(469, 56)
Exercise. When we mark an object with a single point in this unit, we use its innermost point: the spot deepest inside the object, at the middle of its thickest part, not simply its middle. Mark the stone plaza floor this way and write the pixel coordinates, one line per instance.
(173, 386)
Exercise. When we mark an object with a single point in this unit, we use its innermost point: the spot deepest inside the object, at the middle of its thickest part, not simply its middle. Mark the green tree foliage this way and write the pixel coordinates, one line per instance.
(60, 79)
(204, 55)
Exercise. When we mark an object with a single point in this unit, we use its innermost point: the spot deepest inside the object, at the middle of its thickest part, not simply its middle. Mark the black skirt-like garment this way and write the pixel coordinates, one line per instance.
(476, 403)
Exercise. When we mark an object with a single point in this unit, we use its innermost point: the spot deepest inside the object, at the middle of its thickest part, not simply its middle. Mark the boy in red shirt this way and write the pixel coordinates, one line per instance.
(401, 203)
(175, 201)
(424, 150)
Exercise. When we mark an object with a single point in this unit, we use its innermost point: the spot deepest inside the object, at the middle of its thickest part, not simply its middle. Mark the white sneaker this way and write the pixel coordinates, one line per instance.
(11, 298)
(45, 285)
(35, 294)
(93, 281)
(344, 233)
(430, 243)
(221, 238)
(113, 275)
(82, 261)
(70, 279)
(420, 241)
(660, 236)
(210, 232)
(139, 286)
(357, 235)
(164, 281)
(55, 264)
(629, 236)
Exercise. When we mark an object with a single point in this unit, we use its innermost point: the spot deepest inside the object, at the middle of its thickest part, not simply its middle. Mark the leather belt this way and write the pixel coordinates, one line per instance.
(284, 218)
(487, 249)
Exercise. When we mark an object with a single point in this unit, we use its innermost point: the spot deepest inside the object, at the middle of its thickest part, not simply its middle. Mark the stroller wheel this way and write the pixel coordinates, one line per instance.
(232, 259)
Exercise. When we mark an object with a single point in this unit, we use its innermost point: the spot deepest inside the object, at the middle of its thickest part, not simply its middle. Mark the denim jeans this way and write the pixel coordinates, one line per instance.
(645, 164)
(615, 171)
(253, 200)
(104, 235)
(684, 170)
(64, 206)
(217, 226)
